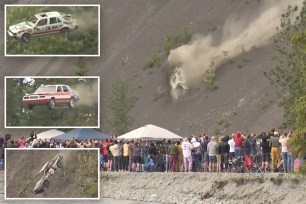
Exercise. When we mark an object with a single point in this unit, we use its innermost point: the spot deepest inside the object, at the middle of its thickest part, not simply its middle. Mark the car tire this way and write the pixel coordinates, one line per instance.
(65, 32)
(51, 103)
(59, 164)
(46, 183)
(25, 38)
(71, 103)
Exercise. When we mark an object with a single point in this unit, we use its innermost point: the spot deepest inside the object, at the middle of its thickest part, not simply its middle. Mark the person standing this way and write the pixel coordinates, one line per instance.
(212, 154)
(173, 151)
(238, 144)
(284, 143)
(115, 152)
(126, 156)
(187, 148)
(275, 151)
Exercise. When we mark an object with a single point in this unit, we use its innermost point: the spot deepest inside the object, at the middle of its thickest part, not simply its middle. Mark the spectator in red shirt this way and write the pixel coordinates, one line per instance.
(238, 139)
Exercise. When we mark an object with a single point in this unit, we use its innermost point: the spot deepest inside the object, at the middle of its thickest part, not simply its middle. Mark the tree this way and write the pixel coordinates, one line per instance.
(120, 104)
(290, 75)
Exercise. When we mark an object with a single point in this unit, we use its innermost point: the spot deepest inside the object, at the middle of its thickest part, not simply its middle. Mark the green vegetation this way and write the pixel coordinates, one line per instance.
(81, 68)
(208, 80)
(90, 191)
(83, 41)
(120, 104)
(290, 75)
(153, 60)
(172, 41)
(19, 115)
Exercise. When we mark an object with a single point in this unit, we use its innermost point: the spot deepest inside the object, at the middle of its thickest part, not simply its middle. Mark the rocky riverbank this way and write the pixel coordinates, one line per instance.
(222, 188)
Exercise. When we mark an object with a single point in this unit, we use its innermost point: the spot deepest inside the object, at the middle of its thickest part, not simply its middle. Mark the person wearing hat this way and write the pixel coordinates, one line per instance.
(275, 150)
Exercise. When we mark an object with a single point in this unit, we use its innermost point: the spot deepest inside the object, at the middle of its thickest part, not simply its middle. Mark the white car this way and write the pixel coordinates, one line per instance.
(178, 83)
(43, 24)
(48, 170)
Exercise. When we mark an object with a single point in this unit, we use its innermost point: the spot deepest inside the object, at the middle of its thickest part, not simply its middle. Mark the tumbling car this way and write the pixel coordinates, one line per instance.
(178, 83)
(43, 24)
(51, 95)
(48, 169)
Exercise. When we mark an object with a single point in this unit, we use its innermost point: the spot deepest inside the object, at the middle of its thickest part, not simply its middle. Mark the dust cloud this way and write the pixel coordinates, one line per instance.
(239, 34)
(88, 93)
(87, 20)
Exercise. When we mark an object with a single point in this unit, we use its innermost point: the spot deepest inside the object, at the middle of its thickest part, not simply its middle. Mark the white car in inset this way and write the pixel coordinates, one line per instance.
(43, 24)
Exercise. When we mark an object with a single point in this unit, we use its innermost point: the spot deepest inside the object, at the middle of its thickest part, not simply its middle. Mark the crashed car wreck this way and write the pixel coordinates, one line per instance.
(48, 170)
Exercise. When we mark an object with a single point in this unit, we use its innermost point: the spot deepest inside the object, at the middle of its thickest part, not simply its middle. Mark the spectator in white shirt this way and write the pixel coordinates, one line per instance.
(187, 148)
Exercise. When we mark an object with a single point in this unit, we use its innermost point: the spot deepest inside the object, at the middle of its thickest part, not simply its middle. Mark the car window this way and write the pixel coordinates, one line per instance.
(53, 20)
(43, 89)
(42, 22)
(65, 89)
(59, 89)
(58, 20)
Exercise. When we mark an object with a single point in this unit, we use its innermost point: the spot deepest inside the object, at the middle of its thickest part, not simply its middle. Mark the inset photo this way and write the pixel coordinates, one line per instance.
(52, 30)
(52, 173)
(52, 102)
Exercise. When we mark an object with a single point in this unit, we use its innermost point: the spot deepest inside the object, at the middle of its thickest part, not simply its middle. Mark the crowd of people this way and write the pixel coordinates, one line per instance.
(266, 152)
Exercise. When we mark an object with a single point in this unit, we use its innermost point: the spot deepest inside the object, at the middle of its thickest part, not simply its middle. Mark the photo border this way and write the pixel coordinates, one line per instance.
(50, 149)
(50, 127)
(54, 55)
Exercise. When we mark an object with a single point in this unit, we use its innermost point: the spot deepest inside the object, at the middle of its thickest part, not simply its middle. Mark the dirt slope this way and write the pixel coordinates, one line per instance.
(68, 182)
(133, 29)
(208, 188)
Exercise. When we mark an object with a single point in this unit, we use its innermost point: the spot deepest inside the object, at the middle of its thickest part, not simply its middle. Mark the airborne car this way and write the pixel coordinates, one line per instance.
(43, 24)
(48, 170)
(178, 83)
(51, 95)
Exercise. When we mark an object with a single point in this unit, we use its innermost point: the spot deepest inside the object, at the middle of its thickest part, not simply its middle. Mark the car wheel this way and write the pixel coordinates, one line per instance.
(25, 38)
(65, 32)
(71, 103)
(51, 103)
(59, 164)
(46, 183)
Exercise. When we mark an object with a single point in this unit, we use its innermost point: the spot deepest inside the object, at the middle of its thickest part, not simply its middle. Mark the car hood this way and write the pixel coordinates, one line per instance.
(19, 27)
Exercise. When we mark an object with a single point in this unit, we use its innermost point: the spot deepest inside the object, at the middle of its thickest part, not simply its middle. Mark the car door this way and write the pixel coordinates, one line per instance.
(66, 94)
(41, 27)
(54, 25)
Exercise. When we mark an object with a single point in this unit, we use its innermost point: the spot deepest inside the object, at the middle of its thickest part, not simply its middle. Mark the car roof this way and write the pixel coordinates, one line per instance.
(48, 14)
(55, 85)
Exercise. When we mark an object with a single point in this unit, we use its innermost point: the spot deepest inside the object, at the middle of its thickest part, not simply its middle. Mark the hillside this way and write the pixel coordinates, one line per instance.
(78, 177)
(132, 29)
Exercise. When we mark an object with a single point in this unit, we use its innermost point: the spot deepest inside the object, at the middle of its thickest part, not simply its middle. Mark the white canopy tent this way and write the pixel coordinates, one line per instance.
(49, 134)
(150, 132)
